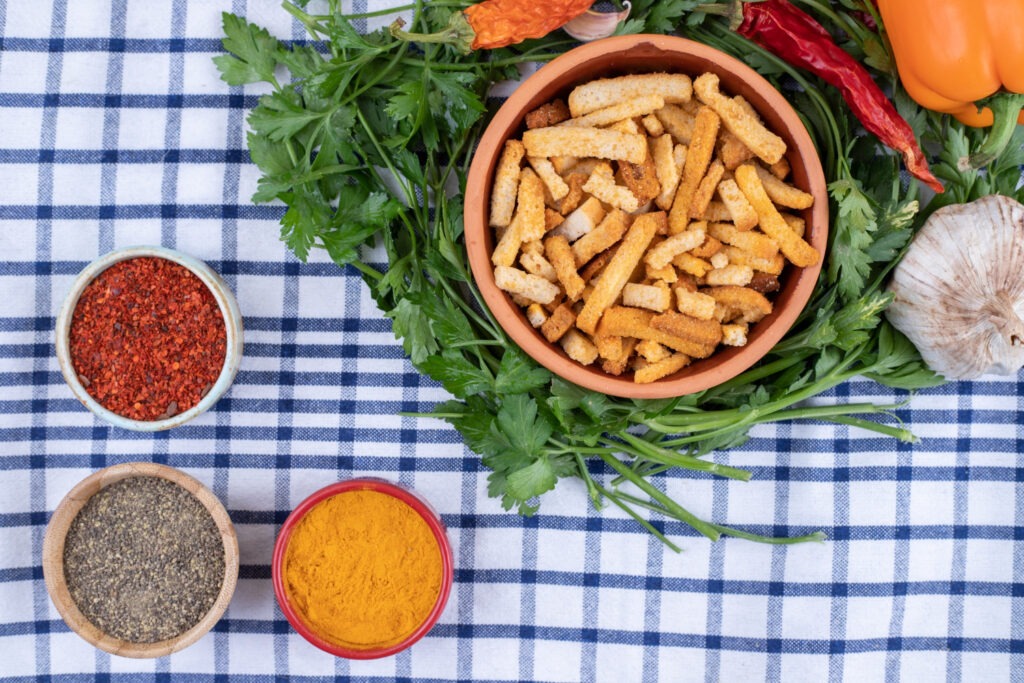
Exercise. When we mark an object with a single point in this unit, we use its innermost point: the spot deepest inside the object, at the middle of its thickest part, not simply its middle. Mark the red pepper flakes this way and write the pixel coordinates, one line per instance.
(147, 339)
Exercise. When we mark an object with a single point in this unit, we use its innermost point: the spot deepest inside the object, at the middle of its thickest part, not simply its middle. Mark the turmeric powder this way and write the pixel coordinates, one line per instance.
(363, 570)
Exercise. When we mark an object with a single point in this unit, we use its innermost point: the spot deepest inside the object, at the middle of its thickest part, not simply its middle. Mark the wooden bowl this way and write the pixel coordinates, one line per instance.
(637, 54)
(53, 559)
(232, 328)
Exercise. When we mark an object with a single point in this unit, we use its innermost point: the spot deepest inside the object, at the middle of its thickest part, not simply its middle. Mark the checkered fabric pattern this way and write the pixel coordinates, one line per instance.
(115, 130)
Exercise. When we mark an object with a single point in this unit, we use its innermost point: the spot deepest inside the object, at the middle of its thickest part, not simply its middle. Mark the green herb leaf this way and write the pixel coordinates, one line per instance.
(459, 106)
(281, 115)
(302, 223)
(458, 375)
(662, 16)
(518, 373)
(412, 326)
(849, 263)
(519, 421)
(255, 52)
(531, 481)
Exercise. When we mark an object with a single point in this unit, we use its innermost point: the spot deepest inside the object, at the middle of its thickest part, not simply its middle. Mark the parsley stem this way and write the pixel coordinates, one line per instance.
(400, 8)
(856, 31)
(312, 26)
(904, 435)
(497, 63)
(476, 342)
(673, 509)
(664, 456)
(366, 270)
(816, 536)
(379, 74)
(410, 196)
(616, 498)
(836, 413)
(498, 339)
(594, 490)
(730, 531)
(760, 372)
(742, 417)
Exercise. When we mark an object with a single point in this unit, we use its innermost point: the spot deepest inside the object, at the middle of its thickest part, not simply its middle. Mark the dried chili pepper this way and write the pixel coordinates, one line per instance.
(497, 23)
(147, 339)
(795, 36)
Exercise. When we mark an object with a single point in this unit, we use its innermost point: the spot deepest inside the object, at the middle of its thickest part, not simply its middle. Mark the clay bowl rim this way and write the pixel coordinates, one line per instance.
(53, 559)
(408, 496)
(226, 302)
(618, 55)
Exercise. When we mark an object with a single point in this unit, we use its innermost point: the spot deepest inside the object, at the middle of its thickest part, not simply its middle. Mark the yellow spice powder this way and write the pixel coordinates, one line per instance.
(362, 569)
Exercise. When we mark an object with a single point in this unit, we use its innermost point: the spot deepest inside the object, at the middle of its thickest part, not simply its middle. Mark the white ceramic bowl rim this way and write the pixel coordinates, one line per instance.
(232, 325)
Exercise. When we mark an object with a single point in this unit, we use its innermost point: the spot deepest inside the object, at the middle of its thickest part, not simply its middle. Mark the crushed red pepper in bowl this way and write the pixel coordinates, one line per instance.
(149, 338)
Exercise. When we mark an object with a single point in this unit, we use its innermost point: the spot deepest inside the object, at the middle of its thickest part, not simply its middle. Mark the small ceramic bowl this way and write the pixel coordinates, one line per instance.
(232, 325)
(53, 559)
(410, 498)
(637, 54)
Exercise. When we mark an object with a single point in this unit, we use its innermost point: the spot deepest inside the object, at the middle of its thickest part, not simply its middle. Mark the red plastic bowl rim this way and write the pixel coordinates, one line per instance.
(413, 500)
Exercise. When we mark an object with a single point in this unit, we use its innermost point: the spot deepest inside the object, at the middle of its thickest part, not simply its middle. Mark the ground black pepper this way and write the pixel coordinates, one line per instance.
(143, 560)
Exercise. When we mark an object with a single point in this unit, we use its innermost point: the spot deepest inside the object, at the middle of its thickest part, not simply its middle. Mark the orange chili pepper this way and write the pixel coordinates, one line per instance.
(965, 58)
(497, 23)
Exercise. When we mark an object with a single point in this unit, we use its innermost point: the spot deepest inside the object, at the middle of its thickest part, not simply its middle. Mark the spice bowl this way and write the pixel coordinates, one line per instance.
(638, 54)
(56, 552)
(228, 309)
(362, 568)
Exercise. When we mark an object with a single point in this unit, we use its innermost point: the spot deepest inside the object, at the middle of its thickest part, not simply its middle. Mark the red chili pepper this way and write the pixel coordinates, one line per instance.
(497, 23)
(147, 339)
(795, 36)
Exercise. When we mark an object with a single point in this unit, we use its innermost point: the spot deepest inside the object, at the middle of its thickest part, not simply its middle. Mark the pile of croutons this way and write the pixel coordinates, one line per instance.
(647, 223)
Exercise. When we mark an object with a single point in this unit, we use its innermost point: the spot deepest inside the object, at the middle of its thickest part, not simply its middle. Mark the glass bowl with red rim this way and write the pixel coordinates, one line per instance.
(406, 496)
(226, 303)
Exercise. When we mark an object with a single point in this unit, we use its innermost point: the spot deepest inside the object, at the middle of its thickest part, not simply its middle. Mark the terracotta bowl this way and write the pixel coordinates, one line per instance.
(53, 559)
(232, 326)
(638, 54)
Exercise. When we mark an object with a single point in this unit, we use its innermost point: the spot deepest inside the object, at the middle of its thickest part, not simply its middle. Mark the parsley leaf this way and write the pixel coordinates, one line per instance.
(459, 106)
(530, 482)
(522, 433)
(412, 326)
(849, 263)
(662, 16)
(459, 376)
(281, 115)
(302, 222)
(526, 430)
(519, 374)
(255, 51)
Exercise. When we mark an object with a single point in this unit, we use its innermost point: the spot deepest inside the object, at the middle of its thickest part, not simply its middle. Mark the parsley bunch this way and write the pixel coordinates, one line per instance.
(368, 143)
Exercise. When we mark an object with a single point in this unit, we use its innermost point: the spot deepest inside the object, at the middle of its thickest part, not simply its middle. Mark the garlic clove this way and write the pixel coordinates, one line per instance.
(959, 291)
(592, 25)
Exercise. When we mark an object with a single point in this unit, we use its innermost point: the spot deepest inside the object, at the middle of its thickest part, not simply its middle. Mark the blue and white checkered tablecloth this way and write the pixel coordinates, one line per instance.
(115, 130)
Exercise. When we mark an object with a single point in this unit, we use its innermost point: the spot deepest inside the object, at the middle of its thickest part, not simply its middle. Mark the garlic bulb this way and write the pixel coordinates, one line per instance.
(592, 24)
(960, 289)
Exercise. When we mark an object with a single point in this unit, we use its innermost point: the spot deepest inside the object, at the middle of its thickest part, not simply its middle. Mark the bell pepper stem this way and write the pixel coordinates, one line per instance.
(1006, 108)
(458, 33)
(732, 10)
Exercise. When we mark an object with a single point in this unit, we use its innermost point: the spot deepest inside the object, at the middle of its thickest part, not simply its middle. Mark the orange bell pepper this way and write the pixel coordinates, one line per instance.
(965, 58)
